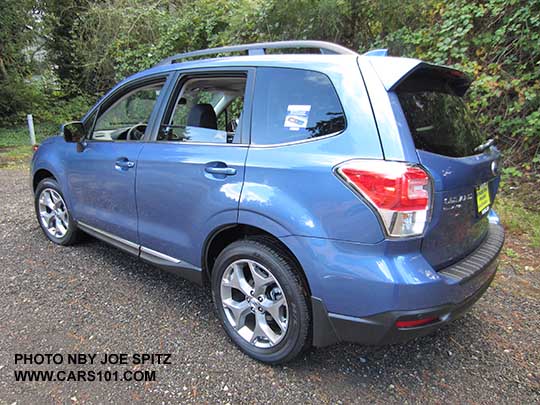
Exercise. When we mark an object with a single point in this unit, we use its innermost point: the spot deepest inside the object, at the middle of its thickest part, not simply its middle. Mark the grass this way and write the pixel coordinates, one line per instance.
(15, 148)
(19, 136)
(518, 219)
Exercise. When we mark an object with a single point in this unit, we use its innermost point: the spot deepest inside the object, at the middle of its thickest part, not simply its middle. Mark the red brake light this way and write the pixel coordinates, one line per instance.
(416, 322)
(400, 192)
(391, 189)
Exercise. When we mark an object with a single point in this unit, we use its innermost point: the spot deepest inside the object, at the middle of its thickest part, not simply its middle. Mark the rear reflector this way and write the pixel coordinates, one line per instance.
(400, 192)
(416, 322)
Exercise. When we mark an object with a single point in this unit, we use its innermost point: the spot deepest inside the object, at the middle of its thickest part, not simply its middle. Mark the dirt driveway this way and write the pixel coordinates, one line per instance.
(94, 299)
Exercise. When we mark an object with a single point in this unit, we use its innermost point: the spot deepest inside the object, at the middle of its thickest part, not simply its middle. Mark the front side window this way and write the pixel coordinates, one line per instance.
(293, 105)
(127, 118)
(207, 109)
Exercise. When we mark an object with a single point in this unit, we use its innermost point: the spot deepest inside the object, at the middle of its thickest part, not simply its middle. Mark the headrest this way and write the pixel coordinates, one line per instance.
(202, 116)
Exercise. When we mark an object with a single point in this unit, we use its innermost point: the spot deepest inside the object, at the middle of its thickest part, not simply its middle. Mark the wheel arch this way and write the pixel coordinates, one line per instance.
(226, 234)
(39, 175)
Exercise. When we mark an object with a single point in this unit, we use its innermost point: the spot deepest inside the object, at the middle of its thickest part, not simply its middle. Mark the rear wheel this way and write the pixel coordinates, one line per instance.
(261, 301)
(53, 214)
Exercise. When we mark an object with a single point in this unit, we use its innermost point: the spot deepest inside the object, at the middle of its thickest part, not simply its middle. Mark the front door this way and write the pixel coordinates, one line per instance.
(101, 177)
(190, 179)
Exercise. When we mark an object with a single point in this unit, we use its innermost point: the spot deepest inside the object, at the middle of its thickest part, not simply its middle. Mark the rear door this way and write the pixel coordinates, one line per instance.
(189, 179)
(466, 179)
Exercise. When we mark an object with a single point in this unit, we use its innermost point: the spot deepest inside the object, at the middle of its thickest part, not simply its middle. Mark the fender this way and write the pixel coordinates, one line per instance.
(267, 224)
(49, 156)
(283, 207)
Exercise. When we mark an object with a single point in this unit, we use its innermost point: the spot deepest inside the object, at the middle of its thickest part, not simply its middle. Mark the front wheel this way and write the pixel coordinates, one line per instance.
(53, 214)
(261, 301)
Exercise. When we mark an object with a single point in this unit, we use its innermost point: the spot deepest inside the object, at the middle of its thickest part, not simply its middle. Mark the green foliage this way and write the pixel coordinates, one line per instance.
(60, 17)
(18, 136)
(496, 42)
(47, 105)
(16, 100)
(15, 148)
(17, 35)
(508, 172)
(519, 219)
(93, 44)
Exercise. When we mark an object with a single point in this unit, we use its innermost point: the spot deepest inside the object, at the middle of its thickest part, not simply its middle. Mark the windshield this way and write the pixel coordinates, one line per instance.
(440, 122)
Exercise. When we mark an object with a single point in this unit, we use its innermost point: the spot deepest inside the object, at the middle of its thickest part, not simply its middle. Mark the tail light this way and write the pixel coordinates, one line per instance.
(399, 192)
(35, 147)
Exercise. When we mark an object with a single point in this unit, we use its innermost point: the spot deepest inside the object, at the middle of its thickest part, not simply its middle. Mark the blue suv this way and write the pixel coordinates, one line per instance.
(323, 196)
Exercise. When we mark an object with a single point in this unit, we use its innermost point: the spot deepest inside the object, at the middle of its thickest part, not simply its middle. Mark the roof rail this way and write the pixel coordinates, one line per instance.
(259, 49)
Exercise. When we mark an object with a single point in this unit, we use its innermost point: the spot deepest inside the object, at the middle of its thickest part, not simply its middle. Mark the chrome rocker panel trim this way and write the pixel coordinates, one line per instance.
(158, 259)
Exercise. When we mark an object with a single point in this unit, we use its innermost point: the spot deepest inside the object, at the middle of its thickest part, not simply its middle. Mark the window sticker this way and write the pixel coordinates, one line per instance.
(297, 117)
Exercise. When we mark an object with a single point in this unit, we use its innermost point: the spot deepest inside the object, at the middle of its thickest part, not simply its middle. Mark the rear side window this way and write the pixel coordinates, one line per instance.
(293, 105)
(207, 109)
(440, 121)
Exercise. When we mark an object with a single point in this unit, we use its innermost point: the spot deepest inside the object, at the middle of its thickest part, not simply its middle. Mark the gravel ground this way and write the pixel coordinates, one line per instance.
(92, 298)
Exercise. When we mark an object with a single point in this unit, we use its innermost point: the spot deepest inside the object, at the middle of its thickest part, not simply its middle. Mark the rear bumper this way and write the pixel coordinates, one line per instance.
(472, 275)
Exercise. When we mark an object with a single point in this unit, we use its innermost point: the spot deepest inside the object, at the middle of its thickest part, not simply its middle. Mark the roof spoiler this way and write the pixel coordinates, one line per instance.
(405, 73)
(377, 52)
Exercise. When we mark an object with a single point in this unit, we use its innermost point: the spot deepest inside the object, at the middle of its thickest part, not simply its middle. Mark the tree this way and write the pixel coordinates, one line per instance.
(16, 34)
(60, 18)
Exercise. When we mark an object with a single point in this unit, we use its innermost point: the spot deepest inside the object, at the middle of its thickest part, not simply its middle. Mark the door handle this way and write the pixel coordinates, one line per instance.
(124, 163)
(227, 171)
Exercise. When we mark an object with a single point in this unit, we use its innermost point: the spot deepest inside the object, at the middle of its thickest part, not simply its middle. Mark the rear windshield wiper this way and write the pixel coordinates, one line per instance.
(484, 146)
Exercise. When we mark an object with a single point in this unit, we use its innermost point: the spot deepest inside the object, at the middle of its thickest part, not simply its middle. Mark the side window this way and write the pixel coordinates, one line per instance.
(207, 109)
(127, 117)
(304, 105)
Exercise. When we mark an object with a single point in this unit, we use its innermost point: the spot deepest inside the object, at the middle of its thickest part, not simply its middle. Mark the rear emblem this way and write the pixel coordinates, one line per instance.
(456, 201)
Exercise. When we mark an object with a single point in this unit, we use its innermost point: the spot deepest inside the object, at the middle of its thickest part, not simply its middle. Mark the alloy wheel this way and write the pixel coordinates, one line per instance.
(254, 303)
(53, 213)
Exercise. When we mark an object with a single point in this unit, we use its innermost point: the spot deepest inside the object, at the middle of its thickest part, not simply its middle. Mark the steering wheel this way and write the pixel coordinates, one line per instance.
(136, 132)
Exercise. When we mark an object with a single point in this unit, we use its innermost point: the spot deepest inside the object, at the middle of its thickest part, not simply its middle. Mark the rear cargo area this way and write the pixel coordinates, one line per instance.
(465, 179)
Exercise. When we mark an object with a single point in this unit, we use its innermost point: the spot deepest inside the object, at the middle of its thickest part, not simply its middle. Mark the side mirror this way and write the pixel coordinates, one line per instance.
(73, 131)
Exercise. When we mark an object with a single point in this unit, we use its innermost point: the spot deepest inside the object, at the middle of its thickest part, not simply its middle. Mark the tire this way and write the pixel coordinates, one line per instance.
(284, 322)
(49, 188)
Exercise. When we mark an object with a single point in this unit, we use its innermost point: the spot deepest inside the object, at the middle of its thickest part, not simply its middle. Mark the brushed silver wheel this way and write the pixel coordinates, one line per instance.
(254, 303)
(53, 213)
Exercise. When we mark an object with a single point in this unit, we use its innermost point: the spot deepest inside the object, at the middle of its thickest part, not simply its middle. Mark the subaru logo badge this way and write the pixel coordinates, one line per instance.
(495, 168)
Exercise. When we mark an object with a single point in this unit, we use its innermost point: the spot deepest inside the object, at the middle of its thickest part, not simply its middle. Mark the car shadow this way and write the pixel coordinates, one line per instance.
(401, 367)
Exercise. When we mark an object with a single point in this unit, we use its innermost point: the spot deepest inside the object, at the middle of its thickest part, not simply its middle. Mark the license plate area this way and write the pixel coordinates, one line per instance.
(483, 199)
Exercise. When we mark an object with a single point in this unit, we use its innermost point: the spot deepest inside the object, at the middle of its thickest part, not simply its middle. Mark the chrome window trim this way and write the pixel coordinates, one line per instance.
(201, 143)
(252, 145)
(274, 145)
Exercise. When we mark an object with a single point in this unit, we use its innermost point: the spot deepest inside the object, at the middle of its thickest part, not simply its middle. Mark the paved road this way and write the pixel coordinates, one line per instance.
(94, 299)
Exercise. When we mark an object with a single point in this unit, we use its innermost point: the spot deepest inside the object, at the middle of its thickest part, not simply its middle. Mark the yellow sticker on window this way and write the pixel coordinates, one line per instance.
(483, 200)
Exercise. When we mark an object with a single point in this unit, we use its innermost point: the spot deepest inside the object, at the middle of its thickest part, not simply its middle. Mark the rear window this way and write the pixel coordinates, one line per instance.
(293, 105)
(440, 122)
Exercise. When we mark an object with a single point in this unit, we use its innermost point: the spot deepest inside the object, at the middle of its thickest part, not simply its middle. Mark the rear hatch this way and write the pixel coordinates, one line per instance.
(465, 179)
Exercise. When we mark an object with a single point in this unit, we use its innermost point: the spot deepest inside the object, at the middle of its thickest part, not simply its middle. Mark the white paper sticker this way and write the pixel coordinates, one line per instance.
(297, 117)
